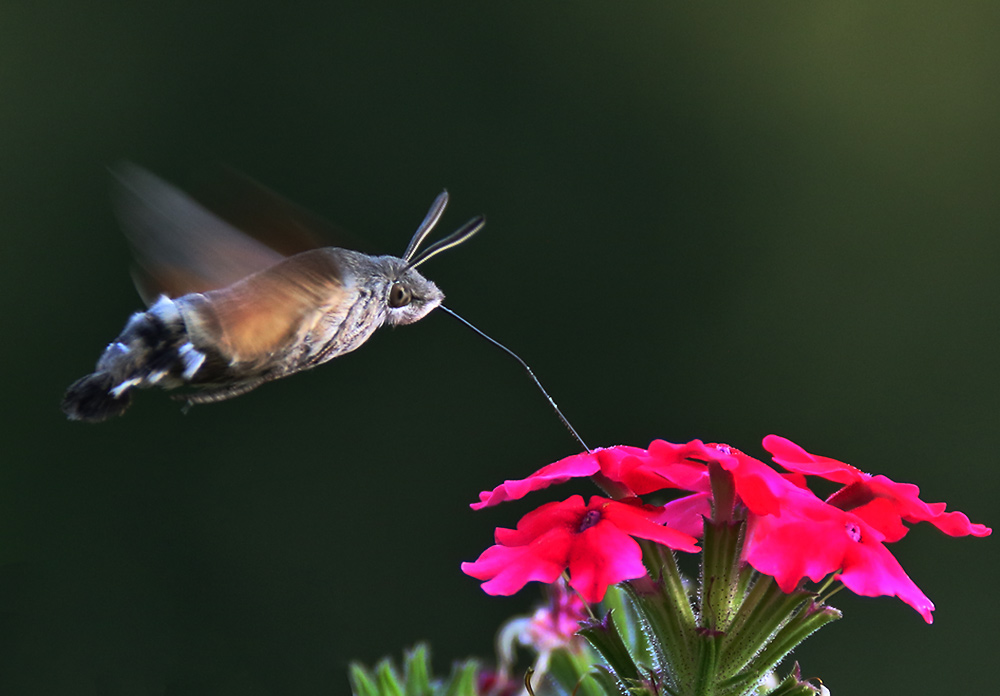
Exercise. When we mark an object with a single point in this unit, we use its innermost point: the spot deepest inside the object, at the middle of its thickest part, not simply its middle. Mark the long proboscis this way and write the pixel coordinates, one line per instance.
(531, 374)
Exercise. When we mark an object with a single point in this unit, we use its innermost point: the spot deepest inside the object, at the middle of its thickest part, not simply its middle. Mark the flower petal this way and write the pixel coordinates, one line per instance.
(761, 488)
(564, 514)
(594, 541)
(794, 458)
(602, 556)
(583, 464)
(664, 465)
(861, 490)
(796, 544)
(638, 521)
(811, 539)
(507, 569)
(870, 570)
(687, 514)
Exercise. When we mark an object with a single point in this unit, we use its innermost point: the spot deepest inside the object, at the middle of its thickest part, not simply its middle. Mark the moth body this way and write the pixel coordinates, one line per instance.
(286, 315)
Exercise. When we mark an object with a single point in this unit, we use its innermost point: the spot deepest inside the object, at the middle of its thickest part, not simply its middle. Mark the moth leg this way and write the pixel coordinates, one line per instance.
(209, 396)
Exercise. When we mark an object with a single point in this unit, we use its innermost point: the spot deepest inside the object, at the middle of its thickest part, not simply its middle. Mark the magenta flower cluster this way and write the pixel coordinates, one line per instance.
(791, 534)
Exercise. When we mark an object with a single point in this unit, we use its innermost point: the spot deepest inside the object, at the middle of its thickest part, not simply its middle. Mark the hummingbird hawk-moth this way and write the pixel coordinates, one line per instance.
(228, 313)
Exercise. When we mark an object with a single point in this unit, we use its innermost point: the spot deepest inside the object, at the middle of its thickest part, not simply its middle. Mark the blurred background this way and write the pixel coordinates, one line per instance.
(704, 221)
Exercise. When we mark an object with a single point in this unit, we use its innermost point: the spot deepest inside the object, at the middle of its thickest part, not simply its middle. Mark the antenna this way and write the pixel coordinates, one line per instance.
(413, 259)
(431, 219)
(452, 240)
(527, 369)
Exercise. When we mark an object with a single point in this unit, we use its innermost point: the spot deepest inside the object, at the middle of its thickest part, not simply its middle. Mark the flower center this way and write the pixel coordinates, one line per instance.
(853, 531)
(589, 520)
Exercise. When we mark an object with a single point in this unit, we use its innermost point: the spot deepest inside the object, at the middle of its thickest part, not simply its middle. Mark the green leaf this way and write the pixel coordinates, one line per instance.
(362, 683)
(606, 639)
(388, 680)
(463, 679)
(416, 671)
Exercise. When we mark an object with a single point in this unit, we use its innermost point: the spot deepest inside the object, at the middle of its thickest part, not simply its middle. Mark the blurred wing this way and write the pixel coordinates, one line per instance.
(265, 215)
(263, 315)
(179, 246)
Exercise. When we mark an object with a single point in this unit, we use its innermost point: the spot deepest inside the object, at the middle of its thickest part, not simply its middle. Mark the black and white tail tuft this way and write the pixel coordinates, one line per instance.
(90, 399)
(153, 349)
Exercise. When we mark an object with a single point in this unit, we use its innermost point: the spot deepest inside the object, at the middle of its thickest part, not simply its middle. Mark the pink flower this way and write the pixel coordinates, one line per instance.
(792, 534)
(552, 628)
(811, 539)
(593, 541)
(554, 625)
(878, 500)
(663, 465)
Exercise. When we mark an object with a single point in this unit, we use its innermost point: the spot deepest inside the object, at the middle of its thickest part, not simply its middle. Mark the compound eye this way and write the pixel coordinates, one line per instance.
(399, 295)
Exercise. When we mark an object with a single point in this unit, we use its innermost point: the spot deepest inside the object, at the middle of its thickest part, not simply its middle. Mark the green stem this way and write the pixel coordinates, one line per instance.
(800, 627)
(570, 668)
(610, 488)
(720, 574)
(705, 680)
(665, 611)
(763, 612)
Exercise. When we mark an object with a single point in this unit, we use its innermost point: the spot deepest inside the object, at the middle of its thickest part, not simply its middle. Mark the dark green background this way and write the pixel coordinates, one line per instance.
(705, 221)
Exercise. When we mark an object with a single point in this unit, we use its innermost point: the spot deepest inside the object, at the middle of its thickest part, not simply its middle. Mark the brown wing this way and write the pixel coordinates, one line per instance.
(179, 246)
(261, 316)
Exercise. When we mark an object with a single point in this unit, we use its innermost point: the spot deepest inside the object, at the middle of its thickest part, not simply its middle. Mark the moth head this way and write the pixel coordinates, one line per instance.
(410, 296)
